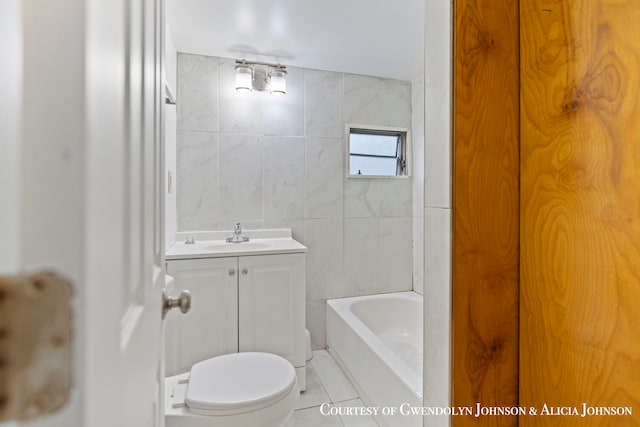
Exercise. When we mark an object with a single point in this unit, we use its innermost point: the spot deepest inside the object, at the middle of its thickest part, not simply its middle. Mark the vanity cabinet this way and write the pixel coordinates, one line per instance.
(246, 303)
(271, 305)
(210, 328)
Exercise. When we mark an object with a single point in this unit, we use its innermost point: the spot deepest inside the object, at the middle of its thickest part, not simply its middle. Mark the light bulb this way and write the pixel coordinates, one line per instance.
(278, 82)
(243, 78)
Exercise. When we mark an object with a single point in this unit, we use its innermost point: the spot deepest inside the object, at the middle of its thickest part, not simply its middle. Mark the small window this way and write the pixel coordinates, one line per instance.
(377, 151)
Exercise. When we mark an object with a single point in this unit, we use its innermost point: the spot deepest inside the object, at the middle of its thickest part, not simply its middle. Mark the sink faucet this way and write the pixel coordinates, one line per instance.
(237, 235)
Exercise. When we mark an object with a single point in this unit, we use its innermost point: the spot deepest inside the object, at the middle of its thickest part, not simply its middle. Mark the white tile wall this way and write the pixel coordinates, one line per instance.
(197, 180)
(325, 258)
(394, 197)
(437, 211)
(323, 104)
(296, 226)
(417, 122)
(361, 248)
(241, 173)
(324, 170)
(373, 100)
(367, 198)
(289, 107)
(373, 263)
(280, 161)
(361, 198)
(437, 167)
(437, 313)
(284, 177)
(198, 93)
(394, 267)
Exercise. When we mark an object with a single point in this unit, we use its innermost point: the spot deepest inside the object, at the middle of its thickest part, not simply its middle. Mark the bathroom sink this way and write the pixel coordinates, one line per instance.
(213, 244)
(233, 247)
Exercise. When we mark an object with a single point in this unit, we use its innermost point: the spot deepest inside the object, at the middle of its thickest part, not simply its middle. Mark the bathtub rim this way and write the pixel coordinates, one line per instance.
(342, 308)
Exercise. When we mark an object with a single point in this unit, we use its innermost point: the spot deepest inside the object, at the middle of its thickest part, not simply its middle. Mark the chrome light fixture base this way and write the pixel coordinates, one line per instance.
(261, 77)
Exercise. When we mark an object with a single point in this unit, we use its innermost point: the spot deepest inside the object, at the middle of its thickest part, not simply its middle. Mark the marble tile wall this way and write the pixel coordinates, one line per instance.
(437, 209)
(417, 122)
(279, 162)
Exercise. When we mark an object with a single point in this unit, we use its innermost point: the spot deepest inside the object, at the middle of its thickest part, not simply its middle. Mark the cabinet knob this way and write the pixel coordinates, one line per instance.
(245, 271)
(232, 272)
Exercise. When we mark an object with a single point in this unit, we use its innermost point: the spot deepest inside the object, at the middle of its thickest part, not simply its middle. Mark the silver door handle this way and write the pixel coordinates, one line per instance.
(183, 301)
(245, 271)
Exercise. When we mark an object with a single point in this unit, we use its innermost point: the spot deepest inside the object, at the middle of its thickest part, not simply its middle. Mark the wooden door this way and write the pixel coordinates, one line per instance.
(485, 208)
(580, 209)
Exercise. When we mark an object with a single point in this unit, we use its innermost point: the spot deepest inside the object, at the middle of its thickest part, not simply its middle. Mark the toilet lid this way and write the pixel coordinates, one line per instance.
(238, 382)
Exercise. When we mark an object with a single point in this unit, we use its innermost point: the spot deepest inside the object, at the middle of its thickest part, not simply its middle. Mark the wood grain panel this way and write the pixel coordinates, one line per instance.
(486, 164)
(580, 208)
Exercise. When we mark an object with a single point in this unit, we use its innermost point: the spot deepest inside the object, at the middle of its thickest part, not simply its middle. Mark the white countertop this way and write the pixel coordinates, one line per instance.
(213, 244)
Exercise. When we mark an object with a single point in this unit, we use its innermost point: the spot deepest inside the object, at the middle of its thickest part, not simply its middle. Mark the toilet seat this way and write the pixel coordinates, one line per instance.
(238, 383)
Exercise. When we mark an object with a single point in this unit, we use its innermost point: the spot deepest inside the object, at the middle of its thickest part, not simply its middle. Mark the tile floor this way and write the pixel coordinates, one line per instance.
(326, 383)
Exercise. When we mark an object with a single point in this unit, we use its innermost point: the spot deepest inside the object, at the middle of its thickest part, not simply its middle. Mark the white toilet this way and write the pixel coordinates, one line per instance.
(233, 390)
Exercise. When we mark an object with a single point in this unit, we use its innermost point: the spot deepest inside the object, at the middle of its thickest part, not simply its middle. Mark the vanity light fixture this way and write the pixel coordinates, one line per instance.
(262, 77)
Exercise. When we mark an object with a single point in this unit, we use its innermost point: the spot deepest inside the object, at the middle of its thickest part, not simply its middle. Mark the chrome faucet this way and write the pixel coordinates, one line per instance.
(237, 235)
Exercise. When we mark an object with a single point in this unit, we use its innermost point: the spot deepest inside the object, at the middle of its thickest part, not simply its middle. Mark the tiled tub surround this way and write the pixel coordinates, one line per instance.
(280, 162)
(417, 122)
(377, 340)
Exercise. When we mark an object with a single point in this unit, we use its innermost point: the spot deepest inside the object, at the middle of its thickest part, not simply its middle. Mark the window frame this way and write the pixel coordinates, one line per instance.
(379, 130)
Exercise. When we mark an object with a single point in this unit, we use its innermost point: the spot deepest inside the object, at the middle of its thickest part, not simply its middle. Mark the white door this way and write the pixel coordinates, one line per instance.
(125, 105)
(82, 169)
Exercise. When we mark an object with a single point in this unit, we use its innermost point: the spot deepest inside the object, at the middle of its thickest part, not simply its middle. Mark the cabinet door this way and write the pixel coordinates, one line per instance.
(210, 328)
(271, 311)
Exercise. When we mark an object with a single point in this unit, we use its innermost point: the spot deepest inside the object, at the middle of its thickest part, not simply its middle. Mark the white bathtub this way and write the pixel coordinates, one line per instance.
(377, 340)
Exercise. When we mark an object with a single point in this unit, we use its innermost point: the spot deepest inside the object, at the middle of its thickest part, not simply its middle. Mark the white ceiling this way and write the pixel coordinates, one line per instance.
(381, 38)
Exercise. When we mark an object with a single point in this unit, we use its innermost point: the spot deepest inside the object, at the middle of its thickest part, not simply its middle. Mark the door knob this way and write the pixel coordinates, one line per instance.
(183, 301)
